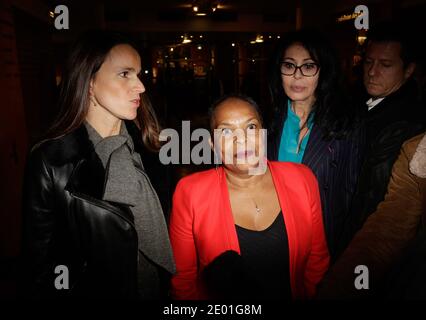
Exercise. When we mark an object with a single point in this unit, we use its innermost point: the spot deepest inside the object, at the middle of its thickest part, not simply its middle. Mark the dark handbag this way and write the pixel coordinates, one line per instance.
(225, 278)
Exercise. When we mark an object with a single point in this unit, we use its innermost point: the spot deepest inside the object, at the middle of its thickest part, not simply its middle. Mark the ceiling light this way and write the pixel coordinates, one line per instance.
(204, 7)
(259, 39)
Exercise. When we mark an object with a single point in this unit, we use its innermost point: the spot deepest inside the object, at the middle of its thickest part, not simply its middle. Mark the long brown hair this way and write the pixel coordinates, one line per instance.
(148, 123)
(86, 58)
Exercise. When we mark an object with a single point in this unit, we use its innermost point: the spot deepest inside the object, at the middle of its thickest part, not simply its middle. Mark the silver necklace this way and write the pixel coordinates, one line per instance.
(258, 210)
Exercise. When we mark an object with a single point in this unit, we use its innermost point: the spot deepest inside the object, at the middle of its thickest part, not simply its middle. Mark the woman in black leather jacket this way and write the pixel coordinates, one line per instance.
(93, 216)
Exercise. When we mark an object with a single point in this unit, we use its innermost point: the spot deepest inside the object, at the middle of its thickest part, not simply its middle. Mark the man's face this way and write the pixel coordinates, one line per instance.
(384, 71)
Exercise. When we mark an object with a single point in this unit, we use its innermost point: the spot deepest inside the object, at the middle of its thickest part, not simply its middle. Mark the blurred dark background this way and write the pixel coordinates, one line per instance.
(189, 59)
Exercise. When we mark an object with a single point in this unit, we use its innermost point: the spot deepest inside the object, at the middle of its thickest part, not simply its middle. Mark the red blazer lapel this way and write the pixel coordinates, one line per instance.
(226, 216)
(288, 214)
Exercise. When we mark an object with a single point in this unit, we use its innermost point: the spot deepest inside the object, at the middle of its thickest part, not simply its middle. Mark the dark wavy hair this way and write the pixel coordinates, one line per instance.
(333, 112)
(86, 58)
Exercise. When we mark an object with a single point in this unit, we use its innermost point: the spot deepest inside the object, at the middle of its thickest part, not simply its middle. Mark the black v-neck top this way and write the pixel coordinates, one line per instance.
(265, 256)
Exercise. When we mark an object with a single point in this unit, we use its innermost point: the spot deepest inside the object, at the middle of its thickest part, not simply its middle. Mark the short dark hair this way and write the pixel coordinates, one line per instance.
(237, 96)
(393, 32)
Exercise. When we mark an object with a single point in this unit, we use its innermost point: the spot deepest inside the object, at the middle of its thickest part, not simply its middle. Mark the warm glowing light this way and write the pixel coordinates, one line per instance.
(361, 39)
(233, 44)
(259, 39)
(195, 9)
(346, 17)
(201, 14)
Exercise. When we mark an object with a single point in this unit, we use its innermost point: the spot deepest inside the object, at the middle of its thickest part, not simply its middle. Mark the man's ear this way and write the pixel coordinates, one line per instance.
(409, 70)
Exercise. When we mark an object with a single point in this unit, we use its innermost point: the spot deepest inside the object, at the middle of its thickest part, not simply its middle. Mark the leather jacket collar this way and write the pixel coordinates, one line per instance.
(87, 177)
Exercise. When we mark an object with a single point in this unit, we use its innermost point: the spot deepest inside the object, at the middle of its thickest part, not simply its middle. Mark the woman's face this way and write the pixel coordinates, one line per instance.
(238, 135)
(115, 89)
(298, 87)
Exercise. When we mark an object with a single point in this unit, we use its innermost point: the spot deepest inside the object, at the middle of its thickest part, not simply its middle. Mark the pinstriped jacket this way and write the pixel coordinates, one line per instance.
(336, 164)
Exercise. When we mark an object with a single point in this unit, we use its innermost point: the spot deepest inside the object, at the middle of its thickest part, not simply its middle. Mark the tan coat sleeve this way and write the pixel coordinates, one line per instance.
(384, 236)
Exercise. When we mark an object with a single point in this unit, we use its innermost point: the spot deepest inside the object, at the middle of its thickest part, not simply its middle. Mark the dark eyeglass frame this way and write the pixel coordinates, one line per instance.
(300, 68)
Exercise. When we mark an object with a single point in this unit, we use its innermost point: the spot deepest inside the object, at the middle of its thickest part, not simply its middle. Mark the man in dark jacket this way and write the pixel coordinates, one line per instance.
(393, 113)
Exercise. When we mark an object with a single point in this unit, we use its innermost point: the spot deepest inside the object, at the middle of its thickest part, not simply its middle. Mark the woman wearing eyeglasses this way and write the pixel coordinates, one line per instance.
(314, 124)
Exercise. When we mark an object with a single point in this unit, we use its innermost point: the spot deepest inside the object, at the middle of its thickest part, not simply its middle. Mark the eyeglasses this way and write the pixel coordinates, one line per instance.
(307, 69)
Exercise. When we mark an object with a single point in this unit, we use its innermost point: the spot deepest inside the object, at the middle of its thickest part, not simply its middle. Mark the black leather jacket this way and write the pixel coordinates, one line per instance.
(66, 222)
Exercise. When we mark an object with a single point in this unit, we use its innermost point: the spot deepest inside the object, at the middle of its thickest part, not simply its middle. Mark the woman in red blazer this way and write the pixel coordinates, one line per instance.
(271, 219)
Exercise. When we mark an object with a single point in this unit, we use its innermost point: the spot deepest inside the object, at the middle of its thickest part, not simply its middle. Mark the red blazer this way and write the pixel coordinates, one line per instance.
(202, 227)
